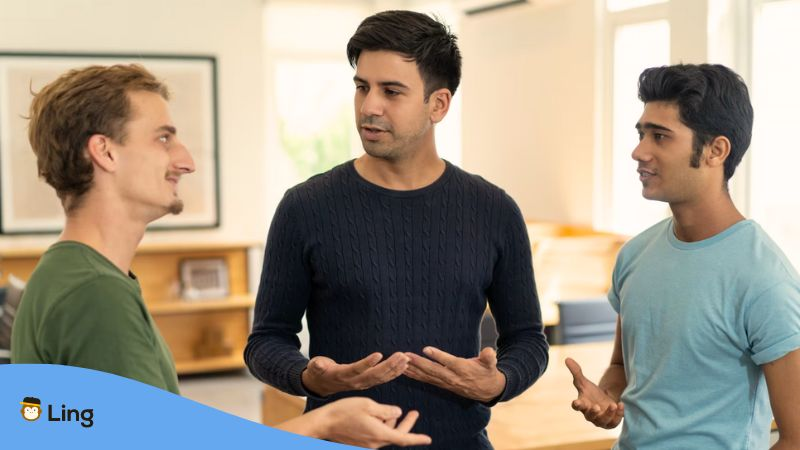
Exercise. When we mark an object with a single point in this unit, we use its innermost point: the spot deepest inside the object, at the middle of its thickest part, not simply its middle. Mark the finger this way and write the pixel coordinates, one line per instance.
(415, 374)
(431, 368)
(408, 421)
(362, 365)
(488, 358)
(407, 439)
(592, 413)
(579, 405)
(391, 423)
(606, 416)
(442, 357)
(424, 377)
(577, 373)
(424, 364)
(384, 412)
(386, 371)
(320, 364)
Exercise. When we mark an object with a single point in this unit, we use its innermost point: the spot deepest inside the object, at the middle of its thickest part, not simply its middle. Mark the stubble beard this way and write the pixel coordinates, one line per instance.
(176, 207)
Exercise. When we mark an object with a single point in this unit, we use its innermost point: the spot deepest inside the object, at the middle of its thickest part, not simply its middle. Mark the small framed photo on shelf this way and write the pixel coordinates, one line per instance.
(203, 279)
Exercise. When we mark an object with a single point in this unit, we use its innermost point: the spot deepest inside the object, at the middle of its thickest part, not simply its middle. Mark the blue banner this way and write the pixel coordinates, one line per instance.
(50, 406)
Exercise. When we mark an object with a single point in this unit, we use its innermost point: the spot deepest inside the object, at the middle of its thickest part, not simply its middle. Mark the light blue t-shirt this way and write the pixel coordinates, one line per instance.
(698, 320)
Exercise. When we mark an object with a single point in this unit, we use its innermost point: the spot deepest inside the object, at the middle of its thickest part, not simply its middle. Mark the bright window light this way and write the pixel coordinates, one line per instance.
(621, 5)
(774, 155)
(636, 47)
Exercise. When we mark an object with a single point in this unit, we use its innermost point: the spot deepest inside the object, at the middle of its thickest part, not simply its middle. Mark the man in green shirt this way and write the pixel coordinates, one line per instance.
(105, 141)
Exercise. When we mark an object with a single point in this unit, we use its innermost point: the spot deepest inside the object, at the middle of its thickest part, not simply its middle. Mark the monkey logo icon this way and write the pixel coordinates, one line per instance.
(31, 408)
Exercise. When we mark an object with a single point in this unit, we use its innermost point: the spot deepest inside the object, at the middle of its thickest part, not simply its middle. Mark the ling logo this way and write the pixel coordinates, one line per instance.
(31, 408)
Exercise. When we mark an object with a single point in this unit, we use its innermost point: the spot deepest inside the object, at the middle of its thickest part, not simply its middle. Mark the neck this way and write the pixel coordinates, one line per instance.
(106, 229)
(415, 172)
(704, 217)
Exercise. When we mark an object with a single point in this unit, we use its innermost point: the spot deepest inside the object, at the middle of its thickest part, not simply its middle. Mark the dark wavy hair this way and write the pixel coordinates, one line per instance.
(712, 100)
(422, 39)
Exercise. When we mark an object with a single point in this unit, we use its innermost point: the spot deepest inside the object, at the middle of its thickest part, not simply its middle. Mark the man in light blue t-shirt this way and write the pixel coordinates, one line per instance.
(709, 307)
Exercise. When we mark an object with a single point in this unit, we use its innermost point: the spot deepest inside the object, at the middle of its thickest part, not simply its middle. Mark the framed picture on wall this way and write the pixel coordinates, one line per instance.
(28, 205)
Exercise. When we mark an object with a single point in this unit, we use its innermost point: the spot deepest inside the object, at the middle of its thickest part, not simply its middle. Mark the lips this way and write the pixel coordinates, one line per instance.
(645, 174)
(371, 133)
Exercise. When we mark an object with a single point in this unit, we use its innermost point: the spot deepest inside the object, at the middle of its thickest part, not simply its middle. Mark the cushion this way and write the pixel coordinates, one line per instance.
(12, 299)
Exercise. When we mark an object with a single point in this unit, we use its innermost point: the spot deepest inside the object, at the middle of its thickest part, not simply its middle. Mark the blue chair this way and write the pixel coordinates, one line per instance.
(585, 320)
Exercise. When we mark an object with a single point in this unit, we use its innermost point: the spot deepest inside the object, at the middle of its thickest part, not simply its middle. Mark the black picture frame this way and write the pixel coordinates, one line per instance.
(29, 206)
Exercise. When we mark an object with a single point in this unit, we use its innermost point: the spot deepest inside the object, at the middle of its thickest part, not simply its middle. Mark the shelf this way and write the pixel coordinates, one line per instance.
(190, 328)
(181, 306)
(23, 251)
(204, 365)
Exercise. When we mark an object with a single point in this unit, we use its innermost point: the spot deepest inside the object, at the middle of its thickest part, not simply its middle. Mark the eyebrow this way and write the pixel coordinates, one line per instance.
(651, 126)
(168, 128)
(392, 83)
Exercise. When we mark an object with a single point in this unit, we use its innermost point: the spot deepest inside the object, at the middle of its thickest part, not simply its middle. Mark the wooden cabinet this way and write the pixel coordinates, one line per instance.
(204, 335)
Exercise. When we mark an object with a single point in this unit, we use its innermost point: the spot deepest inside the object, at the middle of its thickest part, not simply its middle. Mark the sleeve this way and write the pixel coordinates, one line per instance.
(522, 347)
(772, 323)
(273, 349)
(102, 325)
(613, 291)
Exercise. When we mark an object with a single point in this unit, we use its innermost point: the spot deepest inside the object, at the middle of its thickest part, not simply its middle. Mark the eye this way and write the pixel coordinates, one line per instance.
(641, 135)
(164, 138)
(658, 137)
(391, 92)
(361, 88)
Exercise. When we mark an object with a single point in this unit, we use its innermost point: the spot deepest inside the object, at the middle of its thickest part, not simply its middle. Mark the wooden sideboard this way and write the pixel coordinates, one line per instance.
(571, 263)
(204, 335)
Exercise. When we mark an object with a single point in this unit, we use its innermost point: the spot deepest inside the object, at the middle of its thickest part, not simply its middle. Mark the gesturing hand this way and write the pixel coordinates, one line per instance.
(362, 422)
(595, 404)
(323, 376)
(476, 378)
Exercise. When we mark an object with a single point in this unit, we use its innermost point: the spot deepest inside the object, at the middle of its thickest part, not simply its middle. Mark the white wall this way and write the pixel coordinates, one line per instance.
(231, 30)
(528, 114)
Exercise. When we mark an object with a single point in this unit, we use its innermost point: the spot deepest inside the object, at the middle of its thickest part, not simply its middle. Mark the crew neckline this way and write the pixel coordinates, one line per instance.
(448, 171)
(66, 243)
(682, 245)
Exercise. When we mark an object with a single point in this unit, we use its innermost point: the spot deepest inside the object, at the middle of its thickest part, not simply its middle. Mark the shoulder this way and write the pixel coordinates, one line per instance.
(766, 261)
(464, 178)
(646, 238)
(70, 270)
(104, 297)
(488, 196)
(320, 183)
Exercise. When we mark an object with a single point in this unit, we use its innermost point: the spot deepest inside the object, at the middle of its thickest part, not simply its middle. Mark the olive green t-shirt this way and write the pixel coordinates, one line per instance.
(79, 309)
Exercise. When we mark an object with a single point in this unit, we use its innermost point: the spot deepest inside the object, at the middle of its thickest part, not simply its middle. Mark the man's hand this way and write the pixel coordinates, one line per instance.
(323, 376)
(475, 378)
(358, 421)
(595, 404)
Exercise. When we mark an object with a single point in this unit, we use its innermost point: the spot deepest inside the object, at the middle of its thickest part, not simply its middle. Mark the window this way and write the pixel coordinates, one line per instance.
(310, 88)
(621, 5)
(636, 46)
(774, 153)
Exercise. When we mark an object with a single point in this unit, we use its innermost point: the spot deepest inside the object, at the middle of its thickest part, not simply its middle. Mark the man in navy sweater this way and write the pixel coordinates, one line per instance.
(393, 256)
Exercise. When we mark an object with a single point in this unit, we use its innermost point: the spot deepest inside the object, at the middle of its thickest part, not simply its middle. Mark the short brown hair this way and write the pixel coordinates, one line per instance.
(67, 112)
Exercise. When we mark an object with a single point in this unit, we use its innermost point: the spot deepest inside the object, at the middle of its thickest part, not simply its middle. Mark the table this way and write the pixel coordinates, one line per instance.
(541, 418)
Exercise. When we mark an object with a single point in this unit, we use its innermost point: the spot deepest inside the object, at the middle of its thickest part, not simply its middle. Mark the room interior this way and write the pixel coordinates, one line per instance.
(545, 111)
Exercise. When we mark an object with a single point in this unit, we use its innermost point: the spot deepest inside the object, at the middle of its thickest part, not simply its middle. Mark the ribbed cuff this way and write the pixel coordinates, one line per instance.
(296, 381)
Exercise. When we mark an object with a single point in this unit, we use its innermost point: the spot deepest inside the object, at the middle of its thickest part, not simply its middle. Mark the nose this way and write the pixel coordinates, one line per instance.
(640, 152)
(371, 103)
(183, 161)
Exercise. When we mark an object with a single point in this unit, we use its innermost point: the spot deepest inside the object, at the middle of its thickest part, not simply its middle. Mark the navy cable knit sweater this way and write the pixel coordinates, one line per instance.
(387, 271)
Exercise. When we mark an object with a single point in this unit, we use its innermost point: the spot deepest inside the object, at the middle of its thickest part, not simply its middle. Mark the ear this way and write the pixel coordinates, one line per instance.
(440, 104)
(101, 151)
(717, 151)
